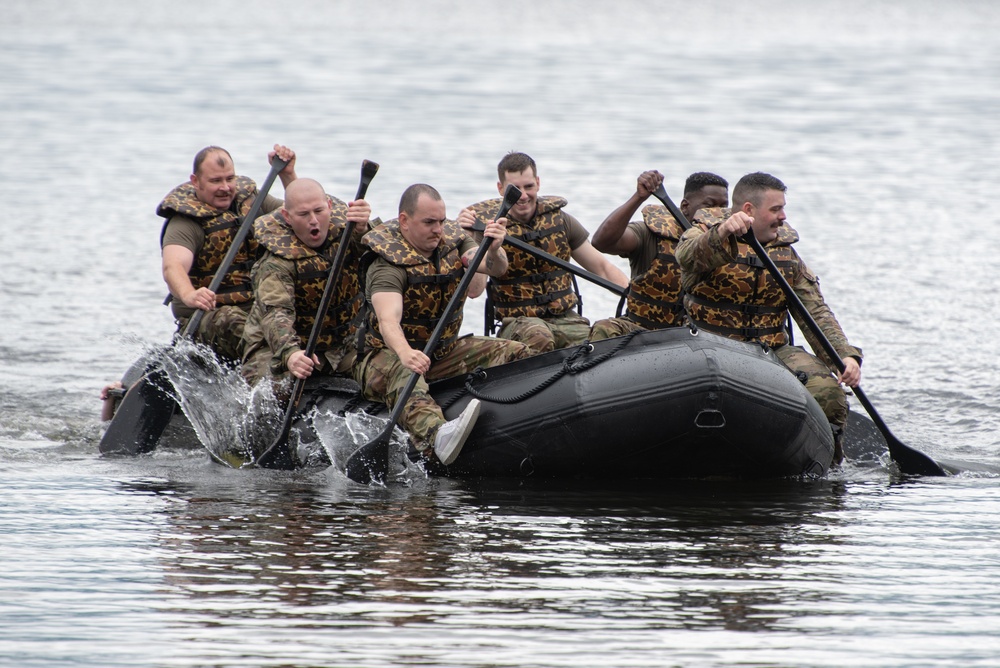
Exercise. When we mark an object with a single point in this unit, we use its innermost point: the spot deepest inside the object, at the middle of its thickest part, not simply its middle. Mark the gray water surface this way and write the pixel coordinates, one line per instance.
(881, 118)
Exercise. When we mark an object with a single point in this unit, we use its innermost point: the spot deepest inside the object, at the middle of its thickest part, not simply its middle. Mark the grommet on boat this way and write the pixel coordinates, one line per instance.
(710, 418)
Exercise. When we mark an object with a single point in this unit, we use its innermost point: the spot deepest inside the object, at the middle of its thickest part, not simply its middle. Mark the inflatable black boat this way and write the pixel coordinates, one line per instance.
(663, 404)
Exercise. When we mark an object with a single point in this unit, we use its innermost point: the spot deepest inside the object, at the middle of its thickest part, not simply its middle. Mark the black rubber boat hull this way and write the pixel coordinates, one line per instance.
(668, 404)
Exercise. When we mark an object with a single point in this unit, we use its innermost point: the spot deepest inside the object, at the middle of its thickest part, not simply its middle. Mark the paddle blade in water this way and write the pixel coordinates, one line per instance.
(140, 419)
(371, 461)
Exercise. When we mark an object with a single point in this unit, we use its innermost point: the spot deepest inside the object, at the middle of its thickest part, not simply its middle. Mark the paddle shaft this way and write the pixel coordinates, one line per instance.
(568, 266)
(276, 455)
(371, 461)
(661, 194)
(909, 460)
(277, 164)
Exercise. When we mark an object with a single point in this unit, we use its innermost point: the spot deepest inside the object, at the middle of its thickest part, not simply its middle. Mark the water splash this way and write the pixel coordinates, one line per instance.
(341, 435)
(235, 422)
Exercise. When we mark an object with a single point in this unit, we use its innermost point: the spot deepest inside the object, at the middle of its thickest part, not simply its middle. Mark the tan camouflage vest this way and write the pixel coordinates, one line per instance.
(312, 266)
(531, 286)
(220, 230)
(741, 299)
(430, 284)
(655, 298)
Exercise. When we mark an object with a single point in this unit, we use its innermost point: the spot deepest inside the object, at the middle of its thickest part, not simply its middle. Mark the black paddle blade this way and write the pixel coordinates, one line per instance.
(510, 197)
(140, 419)
(278, 456)
(910, 461)
(368, 171)
(371, 461)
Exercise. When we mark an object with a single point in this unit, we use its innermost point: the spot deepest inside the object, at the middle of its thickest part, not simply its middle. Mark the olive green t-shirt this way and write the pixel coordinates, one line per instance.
(186, 232)
(641, 259)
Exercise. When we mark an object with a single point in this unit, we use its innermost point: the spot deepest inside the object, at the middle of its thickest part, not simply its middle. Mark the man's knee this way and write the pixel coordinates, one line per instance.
(532, 332)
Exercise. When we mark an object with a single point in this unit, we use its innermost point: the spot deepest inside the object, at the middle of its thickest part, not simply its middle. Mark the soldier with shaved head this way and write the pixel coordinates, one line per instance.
(299, 244)
(417, 263)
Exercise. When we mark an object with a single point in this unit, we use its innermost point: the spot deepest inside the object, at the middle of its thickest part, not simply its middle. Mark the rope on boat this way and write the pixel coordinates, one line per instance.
(569, 366)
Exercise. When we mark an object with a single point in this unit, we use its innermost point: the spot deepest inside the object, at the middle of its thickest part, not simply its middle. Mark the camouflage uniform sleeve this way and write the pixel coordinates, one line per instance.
(700, 251)
(274, 292)
(806, 286)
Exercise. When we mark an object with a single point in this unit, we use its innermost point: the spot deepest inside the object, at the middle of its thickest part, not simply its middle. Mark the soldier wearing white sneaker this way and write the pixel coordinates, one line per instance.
(453, 434)
(420, 259)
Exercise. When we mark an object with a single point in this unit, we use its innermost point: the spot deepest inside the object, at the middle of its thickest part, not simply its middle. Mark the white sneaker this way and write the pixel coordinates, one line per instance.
(451, 436)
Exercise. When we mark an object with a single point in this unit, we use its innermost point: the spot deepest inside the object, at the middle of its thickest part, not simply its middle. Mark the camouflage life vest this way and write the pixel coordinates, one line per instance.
(655, 298)
(741, 299)
(220, 230)
(312, 266)
(532, 286)
(430, 284)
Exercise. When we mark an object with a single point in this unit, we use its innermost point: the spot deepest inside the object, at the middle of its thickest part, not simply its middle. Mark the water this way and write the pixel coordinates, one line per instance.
(881, 118)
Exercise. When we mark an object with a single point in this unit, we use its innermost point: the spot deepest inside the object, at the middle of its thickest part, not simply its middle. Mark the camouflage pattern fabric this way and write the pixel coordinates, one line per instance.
(288, 282)
(609, 328)
(222, 330)
(655, 296)
(819, 380)
(543, 335)
(220, 230)
(735, 295)
(383, 376)
(705, 261)
(532, 286)
(260, 363)
(429, 286)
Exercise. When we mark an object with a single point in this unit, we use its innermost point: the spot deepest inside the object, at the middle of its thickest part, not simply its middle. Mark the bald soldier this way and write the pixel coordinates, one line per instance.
(418, 261)
(300, 242)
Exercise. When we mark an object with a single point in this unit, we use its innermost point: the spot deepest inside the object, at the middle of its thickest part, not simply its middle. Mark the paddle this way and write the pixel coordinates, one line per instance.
(146, 408)
(661, 194)
(909, 460)
(568, 266)
(277, 455)
(371, 460)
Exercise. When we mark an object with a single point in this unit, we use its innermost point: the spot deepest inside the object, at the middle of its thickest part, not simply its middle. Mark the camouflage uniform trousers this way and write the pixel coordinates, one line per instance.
(543, 335)
(820, 382)
(221, 329)
(261, 364)
(609, 328)
(383, 376)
